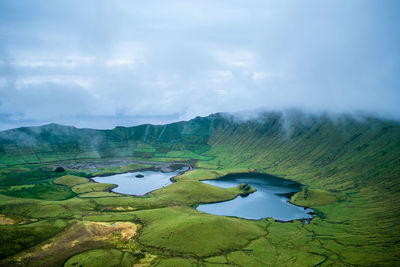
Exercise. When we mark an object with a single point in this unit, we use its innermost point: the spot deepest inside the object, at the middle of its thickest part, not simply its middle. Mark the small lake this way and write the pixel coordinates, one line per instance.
(270, 200)
(129, 183)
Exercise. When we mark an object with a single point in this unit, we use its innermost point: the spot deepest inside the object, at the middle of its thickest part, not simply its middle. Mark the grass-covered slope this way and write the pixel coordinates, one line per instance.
(356, 161)
(349, 168)
(55, 142)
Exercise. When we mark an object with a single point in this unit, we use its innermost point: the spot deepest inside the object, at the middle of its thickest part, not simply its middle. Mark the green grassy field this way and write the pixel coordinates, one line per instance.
(98, 257)
(91, 187)
(349, 169)
(71, 180)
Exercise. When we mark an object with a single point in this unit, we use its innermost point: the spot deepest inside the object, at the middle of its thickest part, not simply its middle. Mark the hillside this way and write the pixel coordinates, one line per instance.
(350, 169)
(357, 160)
(57, 142)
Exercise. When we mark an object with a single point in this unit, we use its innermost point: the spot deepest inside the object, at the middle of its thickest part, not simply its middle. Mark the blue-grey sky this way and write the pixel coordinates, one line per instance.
(105, 63)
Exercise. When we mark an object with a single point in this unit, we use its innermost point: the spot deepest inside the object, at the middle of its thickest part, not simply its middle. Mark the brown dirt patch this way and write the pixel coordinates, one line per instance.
(102, 230)
(78, 237)
(5, 220)
(121, 208)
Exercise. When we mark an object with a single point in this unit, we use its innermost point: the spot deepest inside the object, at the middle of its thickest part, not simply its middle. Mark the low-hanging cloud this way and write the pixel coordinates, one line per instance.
(101, 63)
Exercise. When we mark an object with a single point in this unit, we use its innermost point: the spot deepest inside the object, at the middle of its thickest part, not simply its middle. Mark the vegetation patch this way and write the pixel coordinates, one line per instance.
(23, 176)
(184, 231)
(185, 155)
(91, 187)
(181, 262)
(76, 238)
(45, 190)
(105, 171)
(100, 194)
(102, 257)
(313, 198)
(71, 180)
(194, 192)
(16, 238)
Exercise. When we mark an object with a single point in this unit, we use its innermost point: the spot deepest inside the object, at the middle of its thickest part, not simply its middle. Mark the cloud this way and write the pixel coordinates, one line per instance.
(33, 81)
(65, 61)
(119, 62)
(236, 58)
(46, 62)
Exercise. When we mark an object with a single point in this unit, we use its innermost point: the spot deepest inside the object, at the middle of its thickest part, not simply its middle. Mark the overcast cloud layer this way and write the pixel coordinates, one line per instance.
(106, 63)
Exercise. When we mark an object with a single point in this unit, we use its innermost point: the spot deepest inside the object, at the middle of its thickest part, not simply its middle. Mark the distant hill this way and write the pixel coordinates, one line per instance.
(57, 142)
(319, 140)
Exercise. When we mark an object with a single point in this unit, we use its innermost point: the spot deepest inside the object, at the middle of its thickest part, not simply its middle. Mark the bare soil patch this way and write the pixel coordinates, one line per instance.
(5, 220)
(78, 237)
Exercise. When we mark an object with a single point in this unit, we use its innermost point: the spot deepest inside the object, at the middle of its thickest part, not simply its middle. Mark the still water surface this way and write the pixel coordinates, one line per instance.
(128, 183)
(270, 200)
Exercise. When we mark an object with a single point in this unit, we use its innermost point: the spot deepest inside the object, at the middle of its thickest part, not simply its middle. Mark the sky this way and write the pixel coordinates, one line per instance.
(99, 64)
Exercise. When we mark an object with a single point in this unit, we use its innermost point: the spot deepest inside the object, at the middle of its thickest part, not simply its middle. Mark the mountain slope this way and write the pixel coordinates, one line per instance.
(57, 142)
(358, 161)
(350, 169)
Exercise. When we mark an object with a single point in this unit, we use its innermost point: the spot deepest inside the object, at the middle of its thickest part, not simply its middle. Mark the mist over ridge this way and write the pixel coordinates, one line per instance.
(197, 134)
(287, 118)
(99, 65)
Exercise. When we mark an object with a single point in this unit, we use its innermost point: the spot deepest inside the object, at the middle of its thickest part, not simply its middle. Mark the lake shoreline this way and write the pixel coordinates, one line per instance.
(170, 168)
(271, 200)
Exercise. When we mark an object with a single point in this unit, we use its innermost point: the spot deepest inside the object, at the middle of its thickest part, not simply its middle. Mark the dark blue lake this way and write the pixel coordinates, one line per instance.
(270, 200)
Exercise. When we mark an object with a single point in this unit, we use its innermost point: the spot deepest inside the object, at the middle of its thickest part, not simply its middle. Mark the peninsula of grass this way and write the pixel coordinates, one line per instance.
(71, 180)
(91, 187)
